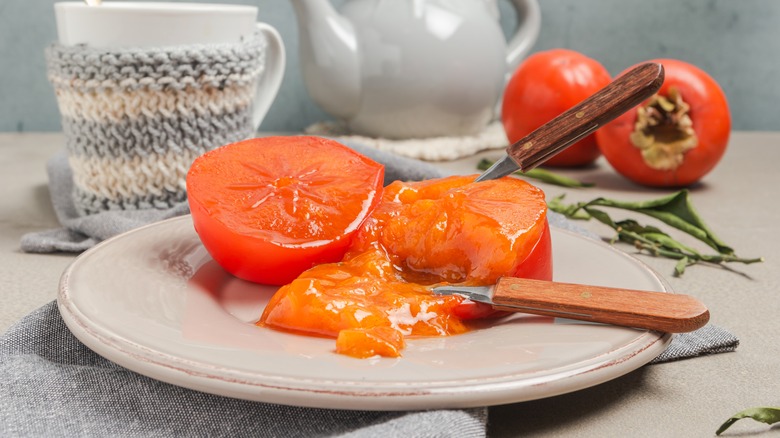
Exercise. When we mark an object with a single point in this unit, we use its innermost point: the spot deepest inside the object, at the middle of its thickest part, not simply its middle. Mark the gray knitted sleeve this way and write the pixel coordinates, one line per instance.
(135, 119)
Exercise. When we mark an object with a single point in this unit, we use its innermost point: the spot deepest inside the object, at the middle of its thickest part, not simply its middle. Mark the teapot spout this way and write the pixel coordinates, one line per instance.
(329, 57)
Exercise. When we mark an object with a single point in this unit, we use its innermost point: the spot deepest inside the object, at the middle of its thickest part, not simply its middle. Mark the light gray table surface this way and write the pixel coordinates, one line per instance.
(688, 398)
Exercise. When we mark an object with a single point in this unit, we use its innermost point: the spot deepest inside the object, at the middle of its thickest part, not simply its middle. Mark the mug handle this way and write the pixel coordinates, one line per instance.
(271, 79)
(529, 23)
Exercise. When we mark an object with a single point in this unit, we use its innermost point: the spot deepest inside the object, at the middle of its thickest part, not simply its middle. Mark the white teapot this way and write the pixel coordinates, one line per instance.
(411, 68)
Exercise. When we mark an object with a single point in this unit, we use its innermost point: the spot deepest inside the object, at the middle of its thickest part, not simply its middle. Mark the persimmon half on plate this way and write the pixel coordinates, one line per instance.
(267, 209)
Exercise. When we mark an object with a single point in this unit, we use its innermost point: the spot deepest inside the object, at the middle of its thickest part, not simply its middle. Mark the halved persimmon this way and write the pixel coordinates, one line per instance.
(422, 234)
(267, 209)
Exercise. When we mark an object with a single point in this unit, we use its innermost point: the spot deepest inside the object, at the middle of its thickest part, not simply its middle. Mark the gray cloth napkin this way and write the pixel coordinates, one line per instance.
(53, 384)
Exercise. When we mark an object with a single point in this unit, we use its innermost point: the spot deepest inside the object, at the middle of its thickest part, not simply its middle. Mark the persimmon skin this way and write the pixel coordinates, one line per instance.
(711, 122)
(545, 85)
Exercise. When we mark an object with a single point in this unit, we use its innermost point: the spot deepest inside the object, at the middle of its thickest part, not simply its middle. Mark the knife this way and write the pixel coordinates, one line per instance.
(619, 96)
(659, 311)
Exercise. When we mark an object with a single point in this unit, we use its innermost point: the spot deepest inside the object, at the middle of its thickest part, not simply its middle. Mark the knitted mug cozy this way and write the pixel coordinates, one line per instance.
(135, 119)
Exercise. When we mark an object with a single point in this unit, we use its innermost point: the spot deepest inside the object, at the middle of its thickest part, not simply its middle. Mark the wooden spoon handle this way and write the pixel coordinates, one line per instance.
(665, 312)
(583, 119)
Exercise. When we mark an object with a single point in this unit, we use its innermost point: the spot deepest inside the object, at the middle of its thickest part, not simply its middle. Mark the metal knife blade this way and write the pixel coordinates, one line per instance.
(661, 311)
(583, 119)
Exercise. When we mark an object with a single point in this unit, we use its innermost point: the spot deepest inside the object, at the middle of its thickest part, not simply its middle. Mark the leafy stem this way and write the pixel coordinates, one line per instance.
(674, 210)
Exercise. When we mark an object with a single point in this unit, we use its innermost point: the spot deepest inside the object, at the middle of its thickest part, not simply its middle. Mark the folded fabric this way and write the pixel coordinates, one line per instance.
(428, 149)
(55, 385)
(709, 339)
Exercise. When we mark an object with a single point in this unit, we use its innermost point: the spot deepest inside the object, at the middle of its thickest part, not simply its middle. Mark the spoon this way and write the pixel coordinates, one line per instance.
(619, 96)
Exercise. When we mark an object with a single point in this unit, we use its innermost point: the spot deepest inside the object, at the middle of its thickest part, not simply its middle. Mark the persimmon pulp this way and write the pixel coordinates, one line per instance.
(422, 234)
(267, 209)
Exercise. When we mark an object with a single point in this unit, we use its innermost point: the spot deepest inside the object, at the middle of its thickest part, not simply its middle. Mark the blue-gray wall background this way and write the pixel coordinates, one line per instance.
(735, 41)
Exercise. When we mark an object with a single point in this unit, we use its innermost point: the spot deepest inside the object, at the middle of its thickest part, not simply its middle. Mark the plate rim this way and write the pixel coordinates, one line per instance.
(358, 394)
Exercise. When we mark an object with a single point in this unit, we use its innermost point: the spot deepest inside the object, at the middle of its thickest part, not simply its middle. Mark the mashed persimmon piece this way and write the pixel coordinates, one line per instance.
(448, 230)
(362, 343)
(361, 293)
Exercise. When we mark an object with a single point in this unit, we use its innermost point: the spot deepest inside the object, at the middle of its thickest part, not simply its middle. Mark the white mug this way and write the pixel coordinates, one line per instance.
(161, 24)
(143, 88)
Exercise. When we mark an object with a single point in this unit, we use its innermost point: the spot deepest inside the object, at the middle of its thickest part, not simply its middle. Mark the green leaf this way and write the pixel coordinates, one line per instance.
(768, 415)
(573, 211)
(542, 175)
(675, 210)
(667, 241)
(600, 216)
(633, 225)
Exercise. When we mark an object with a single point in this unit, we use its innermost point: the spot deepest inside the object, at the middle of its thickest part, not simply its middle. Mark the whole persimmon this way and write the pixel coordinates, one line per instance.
(545, 85)
(674, 138)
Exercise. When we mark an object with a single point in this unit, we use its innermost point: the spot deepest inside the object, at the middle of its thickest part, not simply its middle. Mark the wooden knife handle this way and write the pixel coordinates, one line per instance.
(622, 94)
(660, 311)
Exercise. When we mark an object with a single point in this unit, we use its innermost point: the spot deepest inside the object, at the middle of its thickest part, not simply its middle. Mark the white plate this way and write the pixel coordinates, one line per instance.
(153, 301)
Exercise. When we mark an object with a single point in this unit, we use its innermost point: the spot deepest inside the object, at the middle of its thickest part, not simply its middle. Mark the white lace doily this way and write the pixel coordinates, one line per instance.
(429, 149)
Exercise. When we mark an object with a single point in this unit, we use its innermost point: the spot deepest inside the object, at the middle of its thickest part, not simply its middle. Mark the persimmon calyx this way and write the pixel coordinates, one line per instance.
(664, 131)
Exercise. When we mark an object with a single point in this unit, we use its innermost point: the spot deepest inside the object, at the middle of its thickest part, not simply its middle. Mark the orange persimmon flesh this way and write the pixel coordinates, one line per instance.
(375, 341)
(443, 231)
(269, 208)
